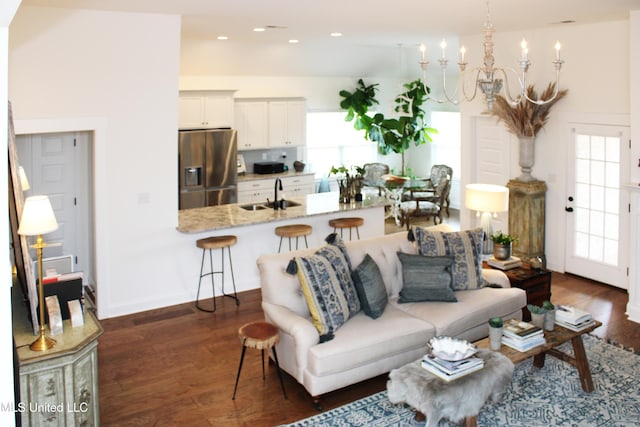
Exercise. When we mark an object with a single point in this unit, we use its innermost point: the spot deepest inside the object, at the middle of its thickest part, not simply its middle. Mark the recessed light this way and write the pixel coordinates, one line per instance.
(336, 34)
(223, 38)
(294, 41)
(258, 29)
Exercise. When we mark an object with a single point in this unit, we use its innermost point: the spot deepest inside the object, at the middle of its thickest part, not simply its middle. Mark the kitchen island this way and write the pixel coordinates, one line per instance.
(255, 230)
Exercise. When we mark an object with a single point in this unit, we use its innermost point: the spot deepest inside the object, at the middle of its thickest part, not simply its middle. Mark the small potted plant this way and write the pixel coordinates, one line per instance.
(495, 332)
(537, 315)
(549, 315)
(502, 245)
(349, 182)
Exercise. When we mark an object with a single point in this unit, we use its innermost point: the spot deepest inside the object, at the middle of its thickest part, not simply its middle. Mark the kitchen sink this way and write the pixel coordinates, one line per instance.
(253, 207)
(288, 203)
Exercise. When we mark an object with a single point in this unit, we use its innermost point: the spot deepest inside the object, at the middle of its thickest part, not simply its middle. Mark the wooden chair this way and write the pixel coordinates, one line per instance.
(429, 206)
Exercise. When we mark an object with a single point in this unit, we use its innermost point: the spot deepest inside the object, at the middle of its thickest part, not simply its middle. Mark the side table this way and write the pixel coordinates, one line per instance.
(536, 283)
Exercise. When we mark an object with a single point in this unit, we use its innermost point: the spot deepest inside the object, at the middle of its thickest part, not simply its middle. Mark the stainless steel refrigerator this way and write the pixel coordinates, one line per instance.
(207, 167)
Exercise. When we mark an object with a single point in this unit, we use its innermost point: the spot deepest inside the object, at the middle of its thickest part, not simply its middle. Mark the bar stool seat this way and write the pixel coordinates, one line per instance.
(293, 230)
(261, 336)
(209, 244)
(348, 222)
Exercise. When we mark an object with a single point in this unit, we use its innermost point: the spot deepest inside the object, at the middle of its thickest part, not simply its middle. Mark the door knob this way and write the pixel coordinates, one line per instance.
(568, 209)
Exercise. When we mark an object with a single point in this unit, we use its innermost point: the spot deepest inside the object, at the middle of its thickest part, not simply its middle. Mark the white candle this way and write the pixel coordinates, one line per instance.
(525, 51)
(423, 50)
(462, 52)
(443, 46)
(558, 46)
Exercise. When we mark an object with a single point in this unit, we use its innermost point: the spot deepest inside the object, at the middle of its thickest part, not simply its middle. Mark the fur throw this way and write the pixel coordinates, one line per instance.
(455, 400)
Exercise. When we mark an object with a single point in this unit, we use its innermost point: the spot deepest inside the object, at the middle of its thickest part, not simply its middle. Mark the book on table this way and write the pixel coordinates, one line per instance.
(506, 264)
(451, 370)
(578, 327)
(572, 315)
(523, 345)
(521, 330)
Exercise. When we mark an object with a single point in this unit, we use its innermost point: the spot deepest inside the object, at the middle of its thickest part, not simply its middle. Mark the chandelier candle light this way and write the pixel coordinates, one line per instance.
(38, 219)
(486, 77)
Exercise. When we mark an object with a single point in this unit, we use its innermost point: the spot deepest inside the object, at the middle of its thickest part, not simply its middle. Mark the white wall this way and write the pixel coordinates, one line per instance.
(116, 74)
(596, 72)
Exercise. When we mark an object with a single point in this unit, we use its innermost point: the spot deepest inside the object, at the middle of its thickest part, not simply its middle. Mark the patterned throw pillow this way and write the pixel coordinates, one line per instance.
(325, 279)
(464, 246)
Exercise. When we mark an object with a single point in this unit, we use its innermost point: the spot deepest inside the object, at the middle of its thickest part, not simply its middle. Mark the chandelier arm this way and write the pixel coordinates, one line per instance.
(546, 101)
(522, 82)
(451, 99)
(478, 70)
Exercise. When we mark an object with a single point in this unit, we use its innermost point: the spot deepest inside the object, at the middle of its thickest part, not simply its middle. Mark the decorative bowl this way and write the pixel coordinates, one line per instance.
(451, 349)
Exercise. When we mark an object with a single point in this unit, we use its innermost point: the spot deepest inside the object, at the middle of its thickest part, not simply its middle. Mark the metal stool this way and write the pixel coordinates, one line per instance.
(216, 242)
(293, 230)
(261, 336)
(349, 223)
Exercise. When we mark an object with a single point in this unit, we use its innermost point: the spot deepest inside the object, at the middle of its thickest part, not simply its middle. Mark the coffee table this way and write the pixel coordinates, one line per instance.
(554, 338)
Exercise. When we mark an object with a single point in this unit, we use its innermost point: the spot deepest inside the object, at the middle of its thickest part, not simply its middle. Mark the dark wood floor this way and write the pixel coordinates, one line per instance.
(177, 365)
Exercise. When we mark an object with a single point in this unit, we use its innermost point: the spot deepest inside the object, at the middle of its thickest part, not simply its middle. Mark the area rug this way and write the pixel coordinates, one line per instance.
(551, 396)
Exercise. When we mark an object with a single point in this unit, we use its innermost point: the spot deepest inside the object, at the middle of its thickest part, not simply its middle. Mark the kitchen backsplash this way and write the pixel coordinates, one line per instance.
(273, 155)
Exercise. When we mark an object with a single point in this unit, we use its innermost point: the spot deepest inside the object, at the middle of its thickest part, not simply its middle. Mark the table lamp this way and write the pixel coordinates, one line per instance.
(487, 199)
(38, 219)
(24, 182)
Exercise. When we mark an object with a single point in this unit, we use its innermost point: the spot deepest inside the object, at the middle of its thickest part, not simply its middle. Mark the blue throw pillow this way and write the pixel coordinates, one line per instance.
(464, 246)
(370, 287)
(425, 278)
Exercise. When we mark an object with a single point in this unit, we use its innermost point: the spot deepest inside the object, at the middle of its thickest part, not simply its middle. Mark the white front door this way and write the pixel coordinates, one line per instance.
(596, 205)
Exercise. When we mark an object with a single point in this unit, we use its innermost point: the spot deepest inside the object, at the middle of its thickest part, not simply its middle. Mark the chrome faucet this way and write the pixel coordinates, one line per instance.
(276, 203)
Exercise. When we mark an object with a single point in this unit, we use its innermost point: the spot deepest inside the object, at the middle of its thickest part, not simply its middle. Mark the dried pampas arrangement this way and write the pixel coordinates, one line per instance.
(526, 118)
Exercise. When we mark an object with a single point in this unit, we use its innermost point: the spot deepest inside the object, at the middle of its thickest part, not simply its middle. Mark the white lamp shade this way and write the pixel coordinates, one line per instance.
(487, 198)
(37, 217)
(24, 182)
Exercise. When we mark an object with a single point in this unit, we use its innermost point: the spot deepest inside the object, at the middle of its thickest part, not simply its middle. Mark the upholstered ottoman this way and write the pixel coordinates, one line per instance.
(455, 400)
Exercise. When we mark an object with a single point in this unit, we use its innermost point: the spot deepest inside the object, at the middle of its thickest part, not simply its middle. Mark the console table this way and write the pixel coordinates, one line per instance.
(58, 386)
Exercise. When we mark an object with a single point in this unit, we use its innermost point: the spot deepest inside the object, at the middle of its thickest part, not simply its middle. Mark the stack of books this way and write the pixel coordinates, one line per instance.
(573, 318)
(449, 370)
(505, 264)
(522, 336)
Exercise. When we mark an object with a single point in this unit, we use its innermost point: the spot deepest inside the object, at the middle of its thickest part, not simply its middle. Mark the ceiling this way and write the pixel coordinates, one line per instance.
(378, 38)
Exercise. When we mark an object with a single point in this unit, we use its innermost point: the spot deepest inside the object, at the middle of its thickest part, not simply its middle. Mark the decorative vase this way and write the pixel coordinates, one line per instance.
(495, 337)
(502, 251)
(549, 320)
(538, 319)
(527, 157)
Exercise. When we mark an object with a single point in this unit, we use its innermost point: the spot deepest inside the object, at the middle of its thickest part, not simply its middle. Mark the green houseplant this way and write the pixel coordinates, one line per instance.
(502, 245)
(349, 181)
(394, 134)
(549, 315)
(537, 314)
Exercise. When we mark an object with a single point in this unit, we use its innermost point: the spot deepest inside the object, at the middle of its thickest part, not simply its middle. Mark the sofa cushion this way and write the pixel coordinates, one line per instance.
(474, 308)
(370, 287)
(426, 278)
(325, 279)
(466, 248)
(363, 340)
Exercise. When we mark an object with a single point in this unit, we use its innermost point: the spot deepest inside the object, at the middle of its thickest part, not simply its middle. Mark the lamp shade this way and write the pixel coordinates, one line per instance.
(487, 198)
(24, 182)
(37, 217)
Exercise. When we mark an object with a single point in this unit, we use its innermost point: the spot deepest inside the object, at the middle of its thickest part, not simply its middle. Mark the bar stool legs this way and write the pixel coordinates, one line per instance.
(208, 244)
(349, 223)
(293, 230)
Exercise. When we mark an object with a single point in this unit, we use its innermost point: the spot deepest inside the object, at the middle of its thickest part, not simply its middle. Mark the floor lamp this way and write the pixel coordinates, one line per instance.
(38, 219)
(487, 199)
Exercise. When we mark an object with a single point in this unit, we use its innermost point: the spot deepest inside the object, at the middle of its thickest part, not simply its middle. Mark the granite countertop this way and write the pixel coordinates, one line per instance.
(232, 215)
(255, 176)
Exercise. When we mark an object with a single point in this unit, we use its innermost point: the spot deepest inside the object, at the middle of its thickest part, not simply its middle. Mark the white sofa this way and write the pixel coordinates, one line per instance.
(364, 347)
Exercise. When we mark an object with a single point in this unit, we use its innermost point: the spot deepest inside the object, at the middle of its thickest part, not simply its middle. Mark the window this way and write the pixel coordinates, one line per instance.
(333, 142)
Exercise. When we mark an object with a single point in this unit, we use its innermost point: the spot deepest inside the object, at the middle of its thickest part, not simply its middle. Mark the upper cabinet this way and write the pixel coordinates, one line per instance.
(206, 109)
(287, 123)
(270, 123)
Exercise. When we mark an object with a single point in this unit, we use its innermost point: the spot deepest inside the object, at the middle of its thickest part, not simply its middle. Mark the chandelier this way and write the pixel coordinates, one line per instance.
(487, 76)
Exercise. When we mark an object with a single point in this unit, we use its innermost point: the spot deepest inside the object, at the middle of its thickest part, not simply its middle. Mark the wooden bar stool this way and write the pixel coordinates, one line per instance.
(349, 223)
(293, 230)
(261, 336)
(210, 243)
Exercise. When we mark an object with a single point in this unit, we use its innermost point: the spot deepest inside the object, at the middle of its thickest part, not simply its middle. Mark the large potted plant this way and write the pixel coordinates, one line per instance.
(394, 134)
(525, 120)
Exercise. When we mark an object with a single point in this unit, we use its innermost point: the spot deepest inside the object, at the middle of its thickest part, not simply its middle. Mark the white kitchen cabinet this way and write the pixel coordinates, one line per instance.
(206, 109)
(251, 122)
(259, 190)
(287, 123)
